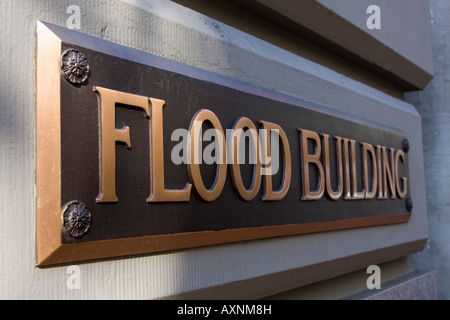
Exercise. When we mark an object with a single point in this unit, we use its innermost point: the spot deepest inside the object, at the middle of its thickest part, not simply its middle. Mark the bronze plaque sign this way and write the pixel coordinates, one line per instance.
(138, 154)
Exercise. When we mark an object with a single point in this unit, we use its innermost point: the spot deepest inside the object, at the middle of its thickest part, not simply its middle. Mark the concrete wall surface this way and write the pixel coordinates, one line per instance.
(433, 103)
(405, 26)
(398, 48)
(250, 270)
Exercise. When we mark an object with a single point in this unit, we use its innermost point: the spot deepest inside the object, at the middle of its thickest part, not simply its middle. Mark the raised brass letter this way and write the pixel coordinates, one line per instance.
(334, 195)
(371, 189)
(236, 143)
(357, 195)
(401, 193)
(380, 173)
(158, 193)
(348, 194)
(311, 159)
(109, 135)
(269, 193)
(194, 167)
(389, 173)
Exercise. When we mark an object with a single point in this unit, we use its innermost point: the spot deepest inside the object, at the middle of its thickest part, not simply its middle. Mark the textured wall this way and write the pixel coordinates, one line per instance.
(399, 50)
(433, 104)
(405, 26)
(169, 30)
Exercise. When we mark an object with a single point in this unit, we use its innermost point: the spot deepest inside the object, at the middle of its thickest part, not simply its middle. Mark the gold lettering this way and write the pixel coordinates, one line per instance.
(380, 173)
(238, 131)
(401, 193)
(194, 167)
(357, 195)
(347, 195)
(371, 189)
(383, 172)
(334, 195)
(158, 193)
(109, 135)
(269, 193)
(308, 159)
(389, 173)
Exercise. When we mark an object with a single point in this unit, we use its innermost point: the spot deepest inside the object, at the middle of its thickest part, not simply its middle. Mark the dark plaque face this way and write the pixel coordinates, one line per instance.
(137, 154)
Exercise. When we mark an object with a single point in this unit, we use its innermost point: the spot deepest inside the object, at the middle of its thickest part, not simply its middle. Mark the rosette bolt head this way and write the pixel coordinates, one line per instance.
(74, 66)
(409, 204)
(405, 145)
(76, 219)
